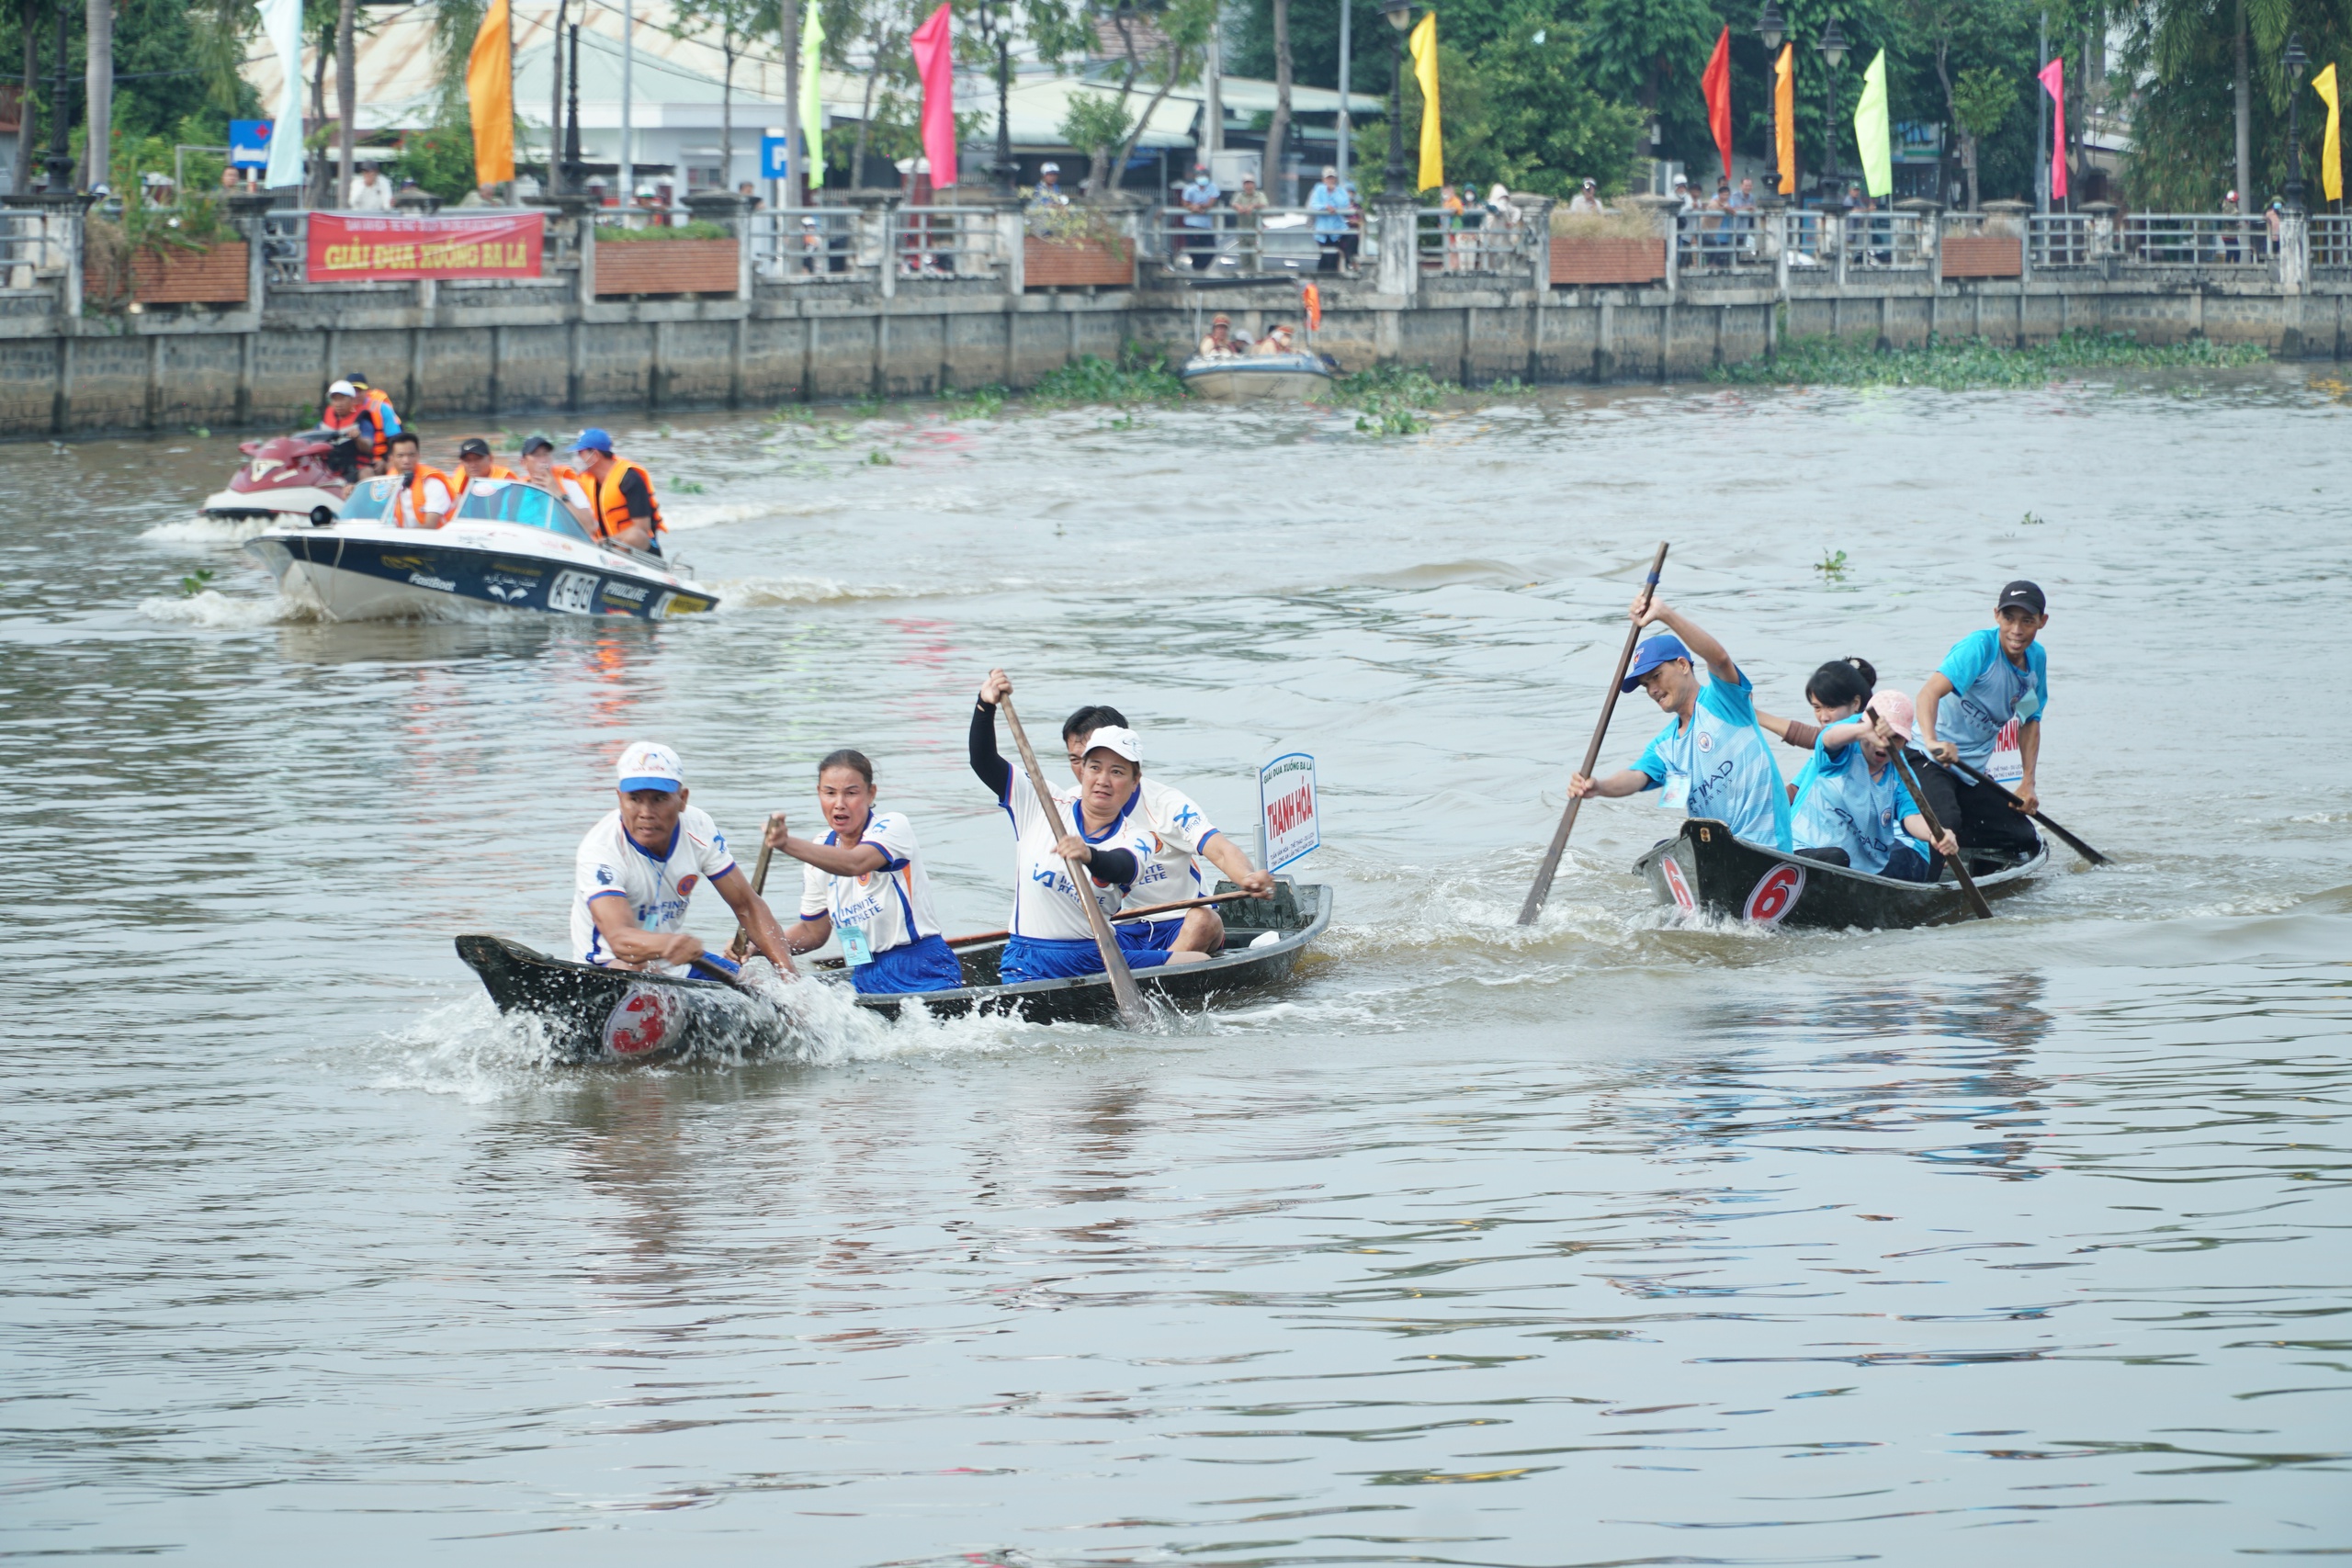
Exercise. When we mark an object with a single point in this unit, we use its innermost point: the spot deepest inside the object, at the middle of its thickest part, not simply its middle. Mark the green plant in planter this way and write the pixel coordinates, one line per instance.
(697, 230)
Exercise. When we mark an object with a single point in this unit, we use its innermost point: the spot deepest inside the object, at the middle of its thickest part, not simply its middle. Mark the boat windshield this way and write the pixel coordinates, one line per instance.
(371, 499)
(518, 501)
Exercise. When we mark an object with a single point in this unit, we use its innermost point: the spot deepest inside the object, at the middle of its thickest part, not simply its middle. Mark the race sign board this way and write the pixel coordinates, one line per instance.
(1287, 807)
(365, 247)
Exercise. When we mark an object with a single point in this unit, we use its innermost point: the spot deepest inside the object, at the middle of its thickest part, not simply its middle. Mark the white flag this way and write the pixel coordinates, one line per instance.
(281, 23)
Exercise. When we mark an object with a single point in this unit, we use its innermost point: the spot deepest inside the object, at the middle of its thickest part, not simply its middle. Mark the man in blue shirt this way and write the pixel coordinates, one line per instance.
(1199, 200)
(1710, 760)
(1984, 706)
(1333, 205)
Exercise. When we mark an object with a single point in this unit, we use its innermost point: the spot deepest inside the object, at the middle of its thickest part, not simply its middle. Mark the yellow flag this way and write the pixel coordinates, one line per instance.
(490, 93)
(2331, 152)
(1784, 116)
(1424, 47)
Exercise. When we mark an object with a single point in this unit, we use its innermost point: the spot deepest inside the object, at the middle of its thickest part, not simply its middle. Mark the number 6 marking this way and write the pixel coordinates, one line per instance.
(1775, 895)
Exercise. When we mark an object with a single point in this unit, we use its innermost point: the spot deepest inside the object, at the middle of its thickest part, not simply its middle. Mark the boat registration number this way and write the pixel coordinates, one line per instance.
(574, 593)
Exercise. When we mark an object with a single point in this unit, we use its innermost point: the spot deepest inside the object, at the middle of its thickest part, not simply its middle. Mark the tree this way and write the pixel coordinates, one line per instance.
(1278, 129)
(1982, 100)
(736, 22)
(1096, 124)
(1519, 112)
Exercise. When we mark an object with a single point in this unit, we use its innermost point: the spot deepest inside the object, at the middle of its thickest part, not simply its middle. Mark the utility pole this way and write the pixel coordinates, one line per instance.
(1347, 124)
(628, 96)
(2042, 121)
(1212, 98)
(347, 97)
(98, 91)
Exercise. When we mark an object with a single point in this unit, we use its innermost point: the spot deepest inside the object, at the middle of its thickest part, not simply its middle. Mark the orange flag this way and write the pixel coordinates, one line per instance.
(1784, 116)
(490, 93)
(1715, 83)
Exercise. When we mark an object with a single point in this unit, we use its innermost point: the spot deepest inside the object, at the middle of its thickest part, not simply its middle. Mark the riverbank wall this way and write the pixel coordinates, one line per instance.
(561, 347)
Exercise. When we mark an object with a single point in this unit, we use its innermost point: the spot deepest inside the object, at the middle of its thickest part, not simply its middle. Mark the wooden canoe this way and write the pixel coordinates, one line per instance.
(1704, 868)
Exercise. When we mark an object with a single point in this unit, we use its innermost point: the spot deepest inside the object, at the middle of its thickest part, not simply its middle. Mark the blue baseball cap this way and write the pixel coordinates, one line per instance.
(593, 439)
(1650, 655)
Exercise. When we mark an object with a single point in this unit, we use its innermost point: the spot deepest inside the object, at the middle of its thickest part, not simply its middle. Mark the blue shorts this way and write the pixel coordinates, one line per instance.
(1149, 936)
(717, 960)
(926, 966)
(1031, 958)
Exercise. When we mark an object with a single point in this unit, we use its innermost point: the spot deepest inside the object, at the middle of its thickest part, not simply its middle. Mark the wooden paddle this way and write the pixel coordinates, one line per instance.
(1107, 941)
(1936, 830)
(1551, 866)
(2073, 843)
(1122, 918)
(742, 942)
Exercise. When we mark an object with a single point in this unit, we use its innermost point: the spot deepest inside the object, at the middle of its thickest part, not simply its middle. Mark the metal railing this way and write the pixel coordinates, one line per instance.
(285, 248)
(1887, 242)
(944, 242)
(1473, 241)
(2330, 242)
(1709, 241)
(808, 245)
(1280, 239)
(35, 241)
(2061, 239)
(1802, 241)
(2197, 240)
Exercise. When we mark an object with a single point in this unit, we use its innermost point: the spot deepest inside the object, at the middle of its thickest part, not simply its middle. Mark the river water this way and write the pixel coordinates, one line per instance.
(1606, 1242)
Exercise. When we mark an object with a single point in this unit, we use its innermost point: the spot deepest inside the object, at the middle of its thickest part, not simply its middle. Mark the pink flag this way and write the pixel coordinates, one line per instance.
(935, 64)
(2054, 77)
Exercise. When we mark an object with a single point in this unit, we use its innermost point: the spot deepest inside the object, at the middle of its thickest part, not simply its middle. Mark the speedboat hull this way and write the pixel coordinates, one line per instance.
(359, 572)
(1291, 378)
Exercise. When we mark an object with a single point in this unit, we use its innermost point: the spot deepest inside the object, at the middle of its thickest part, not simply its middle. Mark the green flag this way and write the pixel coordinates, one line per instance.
(812, 109)
(1870, 130)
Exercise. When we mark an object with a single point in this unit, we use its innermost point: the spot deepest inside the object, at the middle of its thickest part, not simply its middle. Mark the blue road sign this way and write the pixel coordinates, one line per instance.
(249, 144)
(772, 156)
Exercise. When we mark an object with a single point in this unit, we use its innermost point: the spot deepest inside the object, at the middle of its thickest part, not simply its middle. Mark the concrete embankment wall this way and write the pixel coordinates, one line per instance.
(519, 351)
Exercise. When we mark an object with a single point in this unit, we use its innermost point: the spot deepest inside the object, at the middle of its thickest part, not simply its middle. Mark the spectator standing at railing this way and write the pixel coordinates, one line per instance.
(1247, 202)
(1333, 208)
(1199, 201)
(370, 192)
(1049, 187)
(1586, 203)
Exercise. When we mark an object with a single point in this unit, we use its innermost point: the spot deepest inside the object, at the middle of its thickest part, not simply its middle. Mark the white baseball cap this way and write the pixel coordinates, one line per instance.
(1124, 742)
(648, 764)
(1049, 168)
(343, 387)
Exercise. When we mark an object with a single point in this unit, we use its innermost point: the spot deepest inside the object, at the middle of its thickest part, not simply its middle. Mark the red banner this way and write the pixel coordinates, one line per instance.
(366, 248)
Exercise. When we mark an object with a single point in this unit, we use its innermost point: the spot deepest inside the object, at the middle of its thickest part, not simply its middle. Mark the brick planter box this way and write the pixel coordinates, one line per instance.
(216, 276)
(666, 266)
(1074, 263)
(1600, 261)
(1984, 256)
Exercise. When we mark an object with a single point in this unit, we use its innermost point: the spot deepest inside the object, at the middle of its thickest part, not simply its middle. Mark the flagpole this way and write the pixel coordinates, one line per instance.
(629, 124)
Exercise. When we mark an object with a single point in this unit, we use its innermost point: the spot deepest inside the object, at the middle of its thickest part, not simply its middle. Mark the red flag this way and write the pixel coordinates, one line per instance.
(2054, 77)
(935, 64)
(1716, 85)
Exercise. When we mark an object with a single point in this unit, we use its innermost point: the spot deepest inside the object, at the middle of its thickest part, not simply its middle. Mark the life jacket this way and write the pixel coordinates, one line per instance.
(410, 505)
(463, 478)
(612, 511)
(387, 418)
(359, 425)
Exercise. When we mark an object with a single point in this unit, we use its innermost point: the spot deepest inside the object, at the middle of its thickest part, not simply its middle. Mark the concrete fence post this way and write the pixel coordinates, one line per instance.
(2294, 253)
(1400, 263)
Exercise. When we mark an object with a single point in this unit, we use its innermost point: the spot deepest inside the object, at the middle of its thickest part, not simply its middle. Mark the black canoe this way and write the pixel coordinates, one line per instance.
(593, 1014)
(1703, 867)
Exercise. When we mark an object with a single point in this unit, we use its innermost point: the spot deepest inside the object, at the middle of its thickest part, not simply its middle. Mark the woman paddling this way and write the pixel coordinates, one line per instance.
(1837, 690)
(1854, 810)
(865, 882)
(1051, 936)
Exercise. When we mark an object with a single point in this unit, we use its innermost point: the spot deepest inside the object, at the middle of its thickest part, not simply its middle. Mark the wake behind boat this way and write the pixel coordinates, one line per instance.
(1252, 377)
(593, 1014)
(509, 544)
(1704, 868)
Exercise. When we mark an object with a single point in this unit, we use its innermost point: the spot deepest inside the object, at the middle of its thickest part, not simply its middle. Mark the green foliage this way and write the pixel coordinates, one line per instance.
(1095, 122)
(1832, 567)
(697, 230)
(975, 402)
(1983, 96)
(1387, 396)
(2180, 61)
(440, 159)
(1140, 375)
(1958, 366)
(1516, 111)
(195, 582)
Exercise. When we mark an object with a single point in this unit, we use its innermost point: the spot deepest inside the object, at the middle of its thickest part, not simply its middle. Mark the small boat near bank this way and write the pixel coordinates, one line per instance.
(598, 1015)
(1256, 377)
(1705, 869)
(286, 479)
(509, 545)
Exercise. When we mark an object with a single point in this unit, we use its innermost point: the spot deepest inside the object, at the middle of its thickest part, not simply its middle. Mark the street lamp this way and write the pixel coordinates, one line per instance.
(1400, 17)
(1770, 28)
(1832, 45)
(60, 163)
(2293, 61)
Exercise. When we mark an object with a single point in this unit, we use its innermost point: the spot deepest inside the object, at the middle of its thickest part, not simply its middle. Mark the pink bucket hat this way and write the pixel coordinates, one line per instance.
(1895, 707)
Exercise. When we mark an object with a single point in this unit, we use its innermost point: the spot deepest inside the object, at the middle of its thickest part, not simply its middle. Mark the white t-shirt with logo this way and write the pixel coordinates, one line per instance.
(1179, 830)
(1044, 902)
(892, 905)
(436, 498)
(658, 887)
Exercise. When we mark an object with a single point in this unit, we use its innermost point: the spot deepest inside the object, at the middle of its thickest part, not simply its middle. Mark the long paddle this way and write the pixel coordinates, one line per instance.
(1122, 918)
(2073, 843)
(742, 942)
(1936, 830)
(1551, 866)
(1107, 941)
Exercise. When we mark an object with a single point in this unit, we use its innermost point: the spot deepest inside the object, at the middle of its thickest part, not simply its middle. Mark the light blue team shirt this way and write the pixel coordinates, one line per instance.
(1843, 805)
(1203, 190)
(1718, 766)
(1987, 691)
(1330, 209)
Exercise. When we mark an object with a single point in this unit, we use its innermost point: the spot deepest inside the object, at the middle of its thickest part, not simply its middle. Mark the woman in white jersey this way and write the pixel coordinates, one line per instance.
(865, 883)
(1180, 832)
(1051, 936)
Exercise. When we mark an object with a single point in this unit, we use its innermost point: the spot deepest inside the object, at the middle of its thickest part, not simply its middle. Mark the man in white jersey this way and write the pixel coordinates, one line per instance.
(1710, 760)
(1180, 831)
(637, 869)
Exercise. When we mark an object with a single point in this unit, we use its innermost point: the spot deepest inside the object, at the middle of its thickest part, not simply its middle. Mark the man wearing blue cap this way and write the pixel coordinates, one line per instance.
(1711, 759)
(620, 494)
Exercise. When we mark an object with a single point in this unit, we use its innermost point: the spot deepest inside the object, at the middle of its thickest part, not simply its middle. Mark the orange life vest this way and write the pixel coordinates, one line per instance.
(411, 503)
(465, 477)
(612, 511)
(360, 426)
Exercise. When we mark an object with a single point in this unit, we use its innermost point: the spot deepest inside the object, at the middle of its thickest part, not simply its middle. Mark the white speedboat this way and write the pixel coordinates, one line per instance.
(1251, 376)
(510, 545)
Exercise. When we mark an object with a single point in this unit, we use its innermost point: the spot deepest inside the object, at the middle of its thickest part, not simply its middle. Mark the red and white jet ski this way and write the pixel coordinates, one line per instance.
(284, 480)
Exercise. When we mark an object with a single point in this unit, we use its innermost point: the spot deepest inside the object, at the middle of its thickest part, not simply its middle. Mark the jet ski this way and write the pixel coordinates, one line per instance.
(509, 545)
(286, 478)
